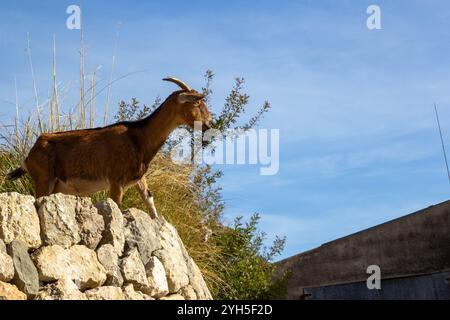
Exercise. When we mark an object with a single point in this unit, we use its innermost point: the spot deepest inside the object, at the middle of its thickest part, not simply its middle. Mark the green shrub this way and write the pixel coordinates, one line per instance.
(249, 269)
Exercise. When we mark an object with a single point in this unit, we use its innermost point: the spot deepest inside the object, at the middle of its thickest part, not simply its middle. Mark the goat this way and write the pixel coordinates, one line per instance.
(115, 157)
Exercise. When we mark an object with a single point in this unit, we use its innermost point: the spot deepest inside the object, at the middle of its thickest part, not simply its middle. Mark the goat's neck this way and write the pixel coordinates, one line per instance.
(157, 128)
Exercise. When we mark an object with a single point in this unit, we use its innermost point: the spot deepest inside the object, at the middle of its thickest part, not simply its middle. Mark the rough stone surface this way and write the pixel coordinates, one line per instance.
(57, 215)
(141, 232)
(10, 292)
(53, 263)
(91, 252)
(64, 289)
(113, 218)
(173, 260)
(173, 297)
(90, 224)
(91, 273)
(156, 276)
(133, 270)
(188, 293)
(105, 293)
(78, 263)
(197, 282)
(172, 243)
(131, 294)
(25, 274)
(19, 220)
(109, 259)
(6, 264)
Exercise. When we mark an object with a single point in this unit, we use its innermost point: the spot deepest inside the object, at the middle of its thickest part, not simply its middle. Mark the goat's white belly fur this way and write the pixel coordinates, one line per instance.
(84, 187)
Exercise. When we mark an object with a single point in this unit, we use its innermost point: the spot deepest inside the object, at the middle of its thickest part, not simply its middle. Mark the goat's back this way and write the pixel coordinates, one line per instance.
(92, 154)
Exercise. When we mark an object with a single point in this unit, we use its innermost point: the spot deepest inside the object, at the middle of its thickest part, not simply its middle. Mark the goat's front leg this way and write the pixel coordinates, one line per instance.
(147, 197)
(116, 193)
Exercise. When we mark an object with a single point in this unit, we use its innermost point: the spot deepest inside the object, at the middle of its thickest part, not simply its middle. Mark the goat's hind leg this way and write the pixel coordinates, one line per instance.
(44, 187)
(43, 180)
(116, 193)
(41, 165)
(147, 197)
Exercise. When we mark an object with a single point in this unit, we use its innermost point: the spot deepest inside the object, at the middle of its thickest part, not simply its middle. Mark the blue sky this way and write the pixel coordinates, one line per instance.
(358, 138)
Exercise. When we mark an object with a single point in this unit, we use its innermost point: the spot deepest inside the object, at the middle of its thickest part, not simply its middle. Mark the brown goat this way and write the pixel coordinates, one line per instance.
(114, 157)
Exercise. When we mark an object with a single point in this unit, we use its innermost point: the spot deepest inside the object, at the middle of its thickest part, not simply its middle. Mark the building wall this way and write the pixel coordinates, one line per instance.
(413, 245)
(434, 286)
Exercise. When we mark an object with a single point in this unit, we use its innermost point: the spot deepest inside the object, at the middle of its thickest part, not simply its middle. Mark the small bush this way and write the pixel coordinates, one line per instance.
(249, 269)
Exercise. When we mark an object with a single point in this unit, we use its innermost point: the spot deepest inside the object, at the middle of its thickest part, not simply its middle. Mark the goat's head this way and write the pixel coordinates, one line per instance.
(190, 105)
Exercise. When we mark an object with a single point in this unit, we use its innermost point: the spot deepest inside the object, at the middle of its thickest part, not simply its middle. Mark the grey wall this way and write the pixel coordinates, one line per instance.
(415, 244)
(434, 286)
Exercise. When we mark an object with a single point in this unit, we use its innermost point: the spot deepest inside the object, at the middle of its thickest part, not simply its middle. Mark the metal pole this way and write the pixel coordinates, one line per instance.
(442, 141)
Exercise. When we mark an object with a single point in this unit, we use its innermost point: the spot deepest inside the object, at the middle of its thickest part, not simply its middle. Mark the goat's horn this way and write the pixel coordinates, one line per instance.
(182, 85)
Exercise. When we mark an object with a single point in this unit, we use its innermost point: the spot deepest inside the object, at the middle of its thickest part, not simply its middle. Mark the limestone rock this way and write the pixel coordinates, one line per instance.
(10, 292)
(25, 274)
(172, 257)
(157, 280)
(77, 263)
(57, 215)
(175, 258)
(6, 264)
(113, 218)
(19, 220)
(78, 252)
(63, 289)
(53, 263)
(188, 293)
(105, 293)
(90, 223)
(197, 281)
(91, 273)
(131, 294)
(141, 232)
(109, 259)
(133, 270)
(173, 297)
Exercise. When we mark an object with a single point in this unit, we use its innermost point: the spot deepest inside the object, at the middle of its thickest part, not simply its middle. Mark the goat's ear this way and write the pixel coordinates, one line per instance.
(190, 97)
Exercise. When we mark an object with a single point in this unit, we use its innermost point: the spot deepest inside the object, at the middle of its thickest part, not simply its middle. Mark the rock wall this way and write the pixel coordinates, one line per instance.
(63, 247)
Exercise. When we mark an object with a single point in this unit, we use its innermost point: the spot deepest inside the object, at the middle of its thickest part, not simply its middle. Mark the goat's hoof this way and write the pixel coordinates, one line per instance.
(153, 214)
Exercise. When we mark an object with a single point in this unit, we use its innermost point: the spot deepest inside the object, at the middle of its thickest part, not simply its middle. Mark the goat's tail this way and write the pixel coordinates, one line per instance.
(16, 174)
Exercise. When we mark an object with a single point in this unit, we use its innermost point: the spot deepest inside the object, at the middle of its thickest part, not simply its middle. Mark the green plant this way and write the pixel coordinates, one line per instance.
(249, 269)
